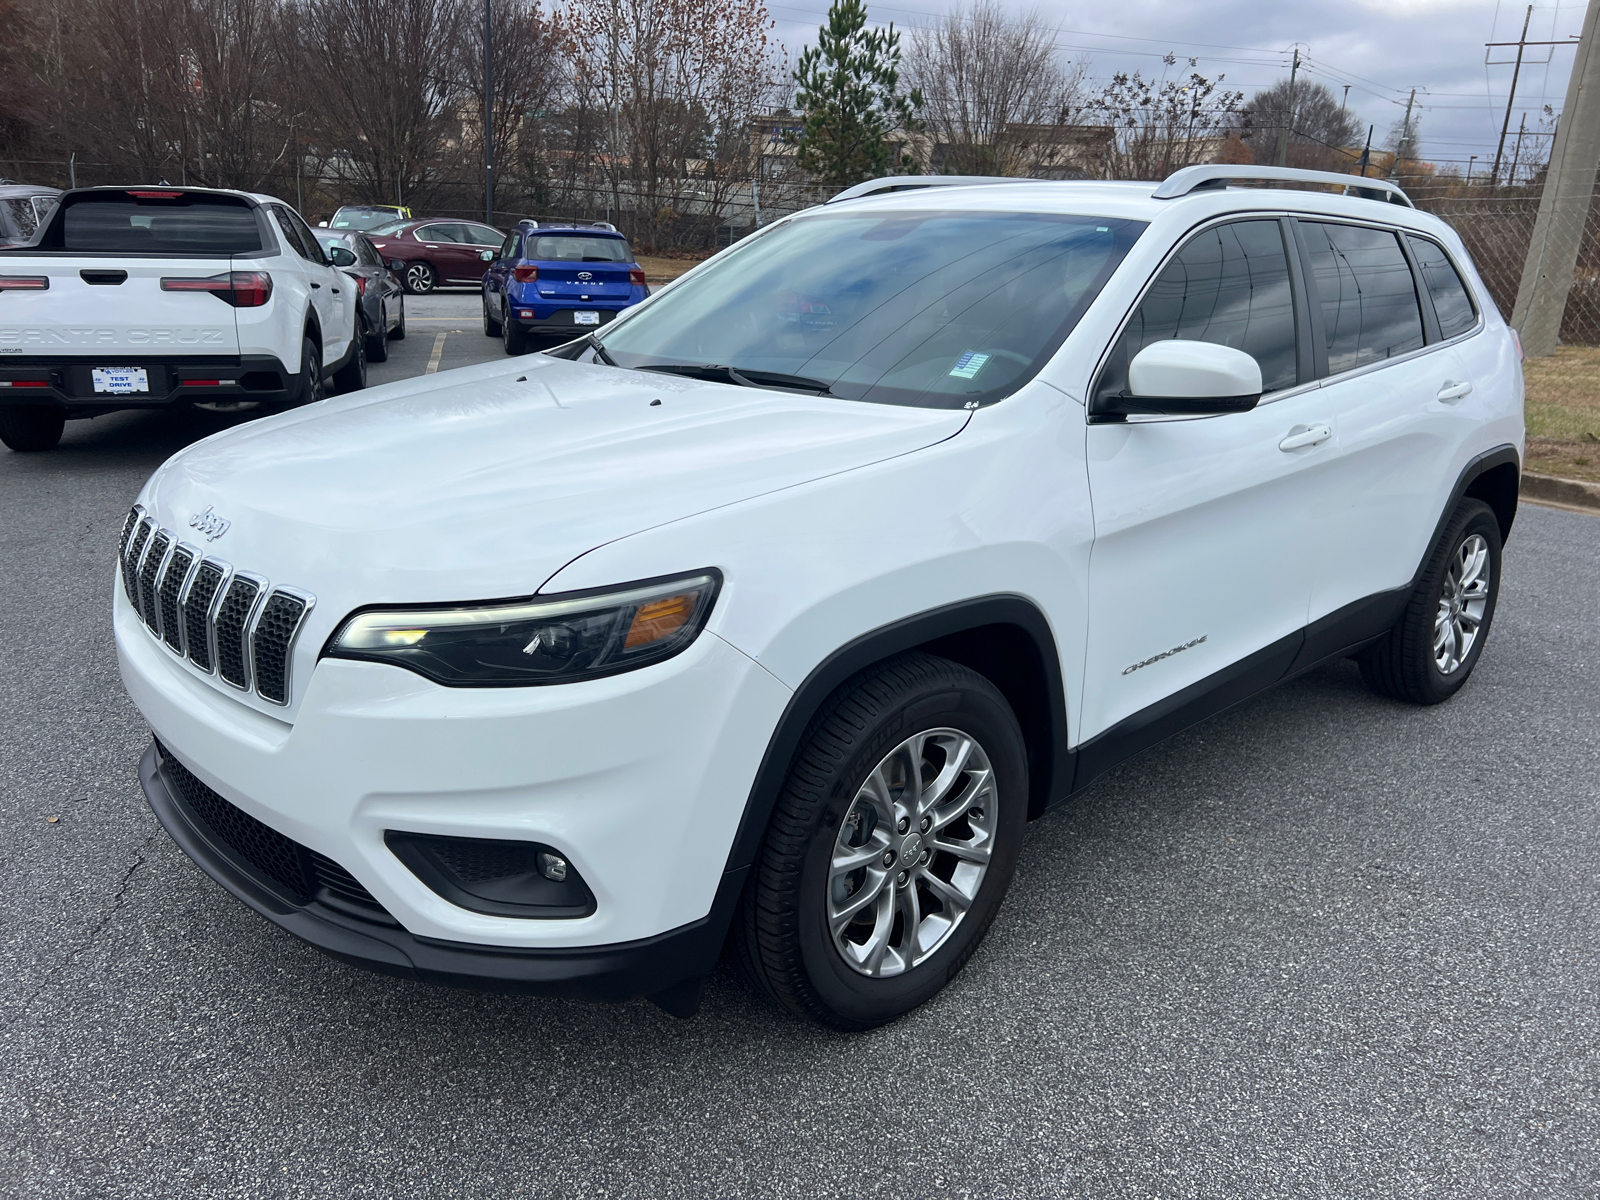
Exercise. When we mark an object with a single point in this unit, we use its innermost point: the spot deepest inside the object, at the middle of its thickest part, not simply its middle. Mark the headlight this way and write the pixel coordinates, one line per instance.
(579, 635)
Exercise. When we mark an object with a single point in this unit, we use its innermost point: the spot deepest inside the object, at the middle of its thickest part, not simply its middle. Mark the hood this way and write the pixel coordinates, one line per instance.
(484, 482)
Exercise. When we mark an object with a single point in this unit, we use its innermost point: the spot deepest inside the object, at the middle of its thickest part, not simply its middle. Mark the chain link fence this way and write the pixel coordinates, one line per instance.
(1563, 387)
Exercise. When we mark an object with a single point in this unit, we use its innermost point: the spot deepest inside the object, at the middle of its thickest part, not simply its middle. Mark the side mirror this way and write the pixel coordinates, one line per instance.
(342, 257)
(487, 256)
(1179, 378)
(397, 265)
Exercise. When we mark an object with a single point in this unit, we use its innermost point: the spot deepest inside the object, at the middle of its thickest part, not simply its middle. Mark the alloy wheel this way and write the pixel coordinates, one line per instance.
(912, 852)
(419, 278)
(1462, 604)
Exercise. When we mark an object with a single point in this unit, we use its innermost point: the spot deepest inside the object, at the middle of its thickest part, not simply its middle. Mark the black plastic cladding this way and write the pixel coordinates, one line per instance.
(232, 619)
(274, 633)
(171, 588)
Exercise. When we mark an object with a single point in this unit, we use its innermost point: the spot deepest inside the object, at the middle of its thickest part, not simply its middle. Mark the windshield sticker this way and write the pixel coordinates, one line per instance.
(969, 364)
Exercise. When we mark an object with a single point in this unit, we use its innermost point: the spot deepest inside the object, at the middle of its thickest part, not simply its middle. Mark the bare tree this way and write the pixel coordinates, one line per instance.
(387, 91)
(1323, 135)
(1162, 125)
(677, 82)
(996, 97)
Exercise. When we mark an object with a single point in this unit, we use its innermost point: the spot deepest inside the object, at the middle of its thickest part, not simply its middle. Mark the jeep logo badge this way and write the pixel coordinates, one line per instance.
(210, 524)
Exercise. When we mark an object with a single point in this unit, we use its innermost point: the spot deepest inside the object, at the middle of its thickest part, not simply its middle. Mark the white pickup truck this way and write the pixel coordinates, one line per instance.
(151, 297)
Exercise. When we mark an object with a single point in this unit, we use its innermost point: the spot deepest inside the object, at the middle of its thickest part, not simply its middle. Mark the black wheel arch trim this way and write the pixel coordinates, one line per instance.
(937, 631)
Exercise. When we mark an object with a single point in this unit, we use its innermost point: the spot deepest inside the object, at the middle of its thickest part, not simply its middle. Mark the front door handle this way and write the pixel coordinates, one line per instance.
(1454, 390)
(1306, 435)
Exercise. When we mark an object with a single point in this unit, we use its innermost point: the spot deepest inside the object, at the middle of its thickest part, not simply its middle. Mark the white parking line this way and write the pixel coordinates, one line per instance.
(438, 351)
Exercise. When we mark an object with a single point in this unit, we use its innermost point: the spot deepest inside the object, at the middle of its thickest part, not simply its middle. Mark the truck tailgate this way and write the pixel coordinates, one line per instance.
(99, 305)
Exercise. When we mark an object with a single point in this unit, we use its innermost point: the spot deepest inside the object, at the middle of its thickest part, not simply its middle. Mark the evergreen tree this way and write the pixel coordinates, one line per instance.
(849, 95)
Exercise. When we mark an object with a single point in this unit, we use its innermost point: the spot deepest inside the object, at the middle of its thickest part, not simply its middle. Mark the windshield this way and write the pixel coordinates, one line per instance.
(18, 219)
(578, 247)
(937, 309)
(354, 218)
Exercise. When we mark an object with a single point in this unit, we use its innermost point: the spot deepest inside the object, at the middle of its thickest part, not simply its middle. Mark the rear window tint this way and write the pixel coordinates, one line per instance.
(189, 225)
(578, 247)
(1451, 302)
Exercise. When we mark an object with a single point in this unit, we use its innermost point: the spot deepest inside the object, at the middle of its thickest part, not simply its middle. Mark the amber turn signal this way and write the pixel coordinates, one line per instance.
(659, 619)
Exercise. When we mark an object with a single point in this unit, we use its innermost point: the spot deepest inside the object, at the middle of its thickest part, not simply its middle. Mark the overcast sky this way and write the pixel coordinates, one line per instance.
(1381, 48)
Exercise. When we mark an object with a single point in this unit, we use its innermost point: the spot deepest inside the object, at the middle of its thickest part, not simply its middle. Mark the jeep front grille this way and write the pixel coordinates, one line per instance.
(229, 623)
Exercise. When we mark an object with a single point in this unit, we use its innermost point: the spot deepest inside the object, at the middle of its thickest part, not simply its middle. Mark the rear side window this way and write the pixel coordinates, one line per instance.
(18, 218)
(159, 223)
(1452, 303)
(481, 235)
(579, 247)
(1368, 297)
(1229, 285)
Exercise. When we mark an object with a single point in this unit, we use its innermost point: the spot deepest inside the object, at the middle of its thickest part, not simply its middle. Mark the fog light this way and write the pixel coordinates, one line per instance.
(552, 866)
(525, 312)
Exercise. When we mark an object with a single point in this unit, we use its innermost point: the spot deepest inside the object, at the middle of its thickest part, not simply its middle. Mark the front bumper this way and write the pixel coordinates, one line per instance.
(648, 966)
(639, 779)
(67, 382)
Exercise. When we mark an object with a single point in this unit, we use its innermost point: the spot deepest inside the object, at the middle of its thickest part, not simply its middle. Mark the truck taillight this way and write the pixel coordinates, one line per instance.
(242, 289)
(524, 274)
(24, 283)
(636, 277)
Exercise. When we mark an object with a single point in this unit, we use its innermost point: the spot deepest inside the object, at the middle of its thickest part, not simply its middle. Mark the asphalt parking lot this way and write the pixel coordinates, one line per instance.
(1322, 945)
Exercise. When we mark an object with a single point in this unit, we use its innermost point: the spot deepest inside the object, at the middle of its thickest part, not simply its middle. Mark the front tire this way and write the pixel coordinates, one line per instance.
(420, 278)
(30, 427)
(891, 847)
(1430, 653)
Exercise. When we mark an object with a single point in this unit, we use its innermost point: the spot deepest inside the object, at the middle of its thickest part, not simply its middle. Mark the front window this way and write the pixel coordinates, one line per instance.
(578, 247)
(936, 309)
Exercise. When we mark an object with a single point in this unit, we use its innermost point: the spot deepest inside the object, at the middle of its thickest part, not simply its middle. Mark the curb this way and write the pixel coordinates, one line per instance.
(1569, 493)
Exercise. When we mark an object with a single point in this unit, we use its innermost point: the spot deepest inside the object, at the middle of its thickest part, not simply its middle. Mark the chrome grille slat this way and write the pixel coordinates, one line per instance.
(199, 600)
(229, 623)
(130, 561)
(154, 556)
(232, 625)
(168, 590)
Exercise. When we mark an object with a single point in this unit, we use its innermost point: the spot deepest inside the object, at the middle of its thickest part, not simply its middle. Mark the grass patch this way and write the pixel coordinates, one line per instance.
(1563, 413)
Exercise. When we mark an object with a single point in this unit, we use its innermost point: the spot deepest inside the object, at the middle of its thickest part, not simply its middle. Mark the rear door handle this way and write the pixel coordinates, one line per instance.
(315, 284)
(1306, 435)
(1454, 390)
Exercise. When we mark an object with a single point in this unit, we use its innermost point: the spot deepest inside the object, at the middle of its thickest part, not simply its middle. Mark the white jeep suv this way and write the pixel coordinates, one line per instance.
(778, 609)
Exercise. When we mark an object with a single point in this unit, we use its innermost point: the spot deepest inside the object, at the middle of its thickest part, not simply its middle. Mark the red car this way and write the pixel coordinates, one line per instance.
(437, 252)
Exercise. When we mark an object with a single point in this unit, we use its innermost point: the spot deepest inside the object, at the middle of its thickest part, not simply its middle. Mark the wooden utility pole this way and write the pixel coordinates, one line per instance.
(1405, 137)
(1522, 42)
(1288, 119)
(1564, 203)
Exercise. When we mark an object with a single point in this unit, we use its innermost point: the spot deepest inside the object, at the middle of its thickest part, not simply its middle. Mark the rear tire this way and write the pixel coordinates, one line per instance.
(398, 333)
(514, 335)
(352, 377)
(937, 857)
(420, 278)
(311, 386)
(1430, 653)
(377, 343)
(30, 427)
(491, 325)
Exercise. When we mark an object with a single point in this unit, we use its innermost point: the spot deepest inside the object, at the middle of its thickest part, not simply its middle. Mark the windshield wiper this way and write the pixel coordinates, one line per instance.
(743, 376)
(599, 350)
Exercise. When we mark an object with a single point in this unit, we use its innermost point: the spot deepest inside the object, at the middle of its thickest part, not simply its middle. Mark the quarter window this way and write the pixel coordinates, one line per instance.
(1229, 285)
(1367, 294)
(1452, 303)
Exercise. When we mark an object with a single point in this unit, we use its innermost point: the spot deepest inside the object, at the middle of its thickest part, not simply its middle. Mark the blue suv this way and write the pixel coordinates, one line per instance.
(558, 277)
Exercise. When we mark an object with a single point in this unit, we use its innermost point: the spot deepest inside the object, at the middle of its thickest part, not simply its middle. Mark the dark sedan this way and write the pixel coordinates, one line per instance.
(383, 300)
(438, 253)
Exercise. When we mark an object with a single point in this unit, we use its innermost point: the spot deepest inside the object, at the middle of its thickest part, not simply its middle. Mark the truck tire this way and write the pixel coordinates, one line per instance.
(28, 427)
